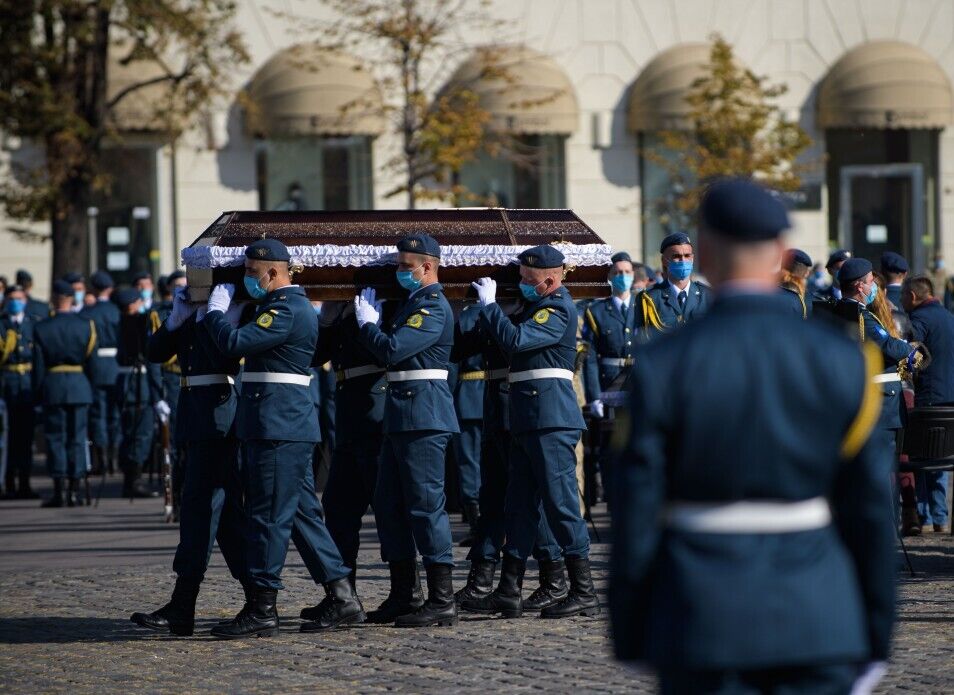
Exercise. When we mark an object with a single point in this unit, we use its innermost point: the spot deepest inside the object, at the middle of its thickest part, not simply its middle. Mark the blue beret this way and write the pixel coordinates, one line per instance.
(674, 239)
(543, 256)
(126, 296)
(621, 256)
(892, 262)
(73, 277)
(420, 243)
(267, 250)
(742, 210)
(793, 256)
(101, 280)
(61, 288)
(853, 269)
(24, 277)
(837, 257)
(142, 275)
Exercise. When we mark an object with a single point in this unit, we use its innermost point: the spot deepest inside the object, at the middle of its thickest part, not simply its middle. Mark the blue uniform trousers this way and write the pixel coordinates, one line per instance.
(138, 427)
(21, 420)
(104, 427)
(466, 446)
(409, 498)
(821, 679)
(492, 524)
(64, 427)
(931, 489)
(210, 510)
(543, 469)
(281, 505)
(349, 491)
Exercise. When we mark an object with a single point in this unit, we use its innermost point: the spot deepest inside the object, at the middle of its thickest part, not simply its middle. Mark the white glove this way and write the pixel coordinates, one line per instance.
(234, 314)
(596, 409)
(486, 291)
(162, 411)
(365, 310)
(871, 675)
(181, 309)
(200, 313)
(221, 297)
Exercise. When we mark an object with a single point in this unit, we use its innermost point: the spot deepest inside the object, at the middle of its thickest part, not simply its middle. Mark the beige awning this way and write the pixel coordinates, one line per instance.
(142, 109)
(307, 90)
(525, 93)
(886, 84)
(657, 99)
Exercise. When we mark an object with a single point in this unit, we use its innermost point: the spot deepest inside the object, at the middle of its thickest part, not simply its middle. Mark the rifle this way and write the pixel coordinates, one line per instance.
(166, 468)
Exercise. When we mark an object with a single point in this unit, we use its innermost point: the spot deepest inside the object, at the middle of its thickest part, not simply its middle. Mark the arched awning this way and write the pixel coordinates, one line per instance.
(657, 100)
(307, 90)
(524, 91)
(886, 84)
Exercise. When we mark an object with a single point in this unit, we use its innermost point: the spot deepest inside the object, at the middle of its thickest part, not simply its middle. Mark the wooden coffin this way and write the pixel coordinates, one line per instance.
(342, 252)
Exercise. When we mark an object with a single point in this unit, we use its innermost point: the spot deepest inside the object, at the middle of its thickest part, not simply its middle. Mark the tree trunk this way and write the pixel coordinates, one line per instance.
(70, 230)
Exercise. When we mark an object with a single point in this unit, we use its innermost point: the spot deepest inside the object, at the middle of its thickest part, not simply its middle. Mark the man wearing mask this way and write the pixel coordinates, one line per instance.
(143, 284)
(419, 420)
(677, 299)
(835, 261)
(16, 390)
(34, 307)
(78, 284)
(104, 412)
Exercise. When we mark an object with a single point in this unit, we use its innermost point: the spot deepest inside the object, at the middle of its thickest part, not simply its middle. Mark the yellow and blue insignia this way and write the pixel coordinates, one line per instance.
(265, 320)
(415, 321)
(541, 316)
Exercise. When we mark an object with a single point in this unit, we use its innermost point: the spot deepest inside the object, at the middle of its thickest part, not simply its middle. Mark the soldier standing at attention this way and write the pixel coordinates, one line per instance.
(37, 309)
(743, 560)
(63, 345)
(895, 269)
(277, 426)
(677, 299)
(16, 390)
(419, 421)
(545, 424)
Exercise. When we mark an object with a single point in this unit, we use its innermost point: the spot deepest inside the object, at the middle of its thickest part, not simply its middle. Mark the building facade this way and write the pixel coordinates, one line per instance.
(869, 81)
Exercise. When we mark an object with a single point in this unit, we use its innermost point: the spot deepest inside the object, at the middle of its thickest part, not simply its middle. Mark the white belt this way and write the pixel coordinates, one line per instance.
(361, 371)
(886, 378)
(497, 373)
(749, 516)
(616, 361)
(141, 369)
(206, 380)
(276, 378)
(549, 373)
(418, 375)
(107, 352)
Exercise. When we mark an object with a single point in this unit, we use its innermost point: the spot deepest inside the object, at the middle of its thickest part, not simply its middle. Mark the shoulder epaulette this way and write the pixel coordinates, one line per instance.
(650, 313)
(870, 407)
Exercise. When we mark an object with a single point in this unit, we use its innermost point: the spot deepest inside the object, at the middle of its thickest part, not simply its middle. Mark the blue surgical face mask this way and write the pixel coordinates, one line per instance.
(872, 293)
(621, 283)
(406, 279)
(146, 295)
(78, 297)
(254, 289)
(680, 270)
(16, 306)
(530, 293)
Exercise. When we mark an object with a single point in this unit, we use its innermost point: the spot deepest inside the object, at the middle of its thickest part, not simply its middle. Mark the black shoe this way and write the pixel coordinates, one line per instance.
(480, 581)
(25, 492)
(176, 617)
(552, 587)
(405, 595)
(246, 607)
(439, 609)
(136, 490)
(506, 598)
(57, 499)
(260, 620)
(340, 607)
(71, 489)
(582, 599)
(471, 514)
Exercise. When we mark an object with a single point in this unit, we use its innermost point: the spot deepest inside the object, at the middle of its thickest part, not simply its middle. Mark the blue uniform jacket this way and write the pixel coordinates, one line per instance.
(203, 412)
(796, 427)
(134, 388)
(359, 401)
(102, 368)
(609, 335)
(660, 307)
(280, 339)
(63, 340)
(933, 325)
(893, 293)
(420, 336)
(16, 348)
(476, 340)
(468, 392)
(893, 350)
(37, 309)
(541, 336)
(795, 302)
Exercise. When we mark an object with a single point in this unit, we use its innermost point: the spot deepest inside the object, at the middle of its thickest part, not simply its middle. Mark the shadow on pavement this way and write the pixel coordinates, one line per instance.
(58, 629)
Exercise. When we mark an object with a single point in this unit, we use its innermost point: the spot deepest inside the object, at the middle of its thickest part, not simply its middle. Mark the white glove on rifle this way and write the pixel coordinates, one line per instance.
(162, 411)
(366, 308)
(181, 309)
(486, 291)
(221, 297)
(596, 409)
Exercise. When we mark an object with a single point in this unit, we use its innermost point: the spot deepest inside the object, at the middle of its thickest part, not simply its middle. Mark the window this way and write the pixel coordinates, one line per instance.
(532, 175)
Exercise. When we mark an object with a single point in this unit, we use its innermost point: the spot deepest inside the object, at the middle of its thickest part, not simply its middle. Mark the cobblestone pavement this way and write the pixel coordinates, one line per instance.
(70, 578)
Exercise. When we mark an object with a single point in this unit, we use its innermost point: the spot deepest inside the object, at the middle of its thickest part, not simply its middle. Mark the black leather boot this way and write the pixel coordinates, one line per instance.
(133, 487)
(506, 598)
(340, 607)
(582, 599)
(245, 607)
(57, 499)
(112, 456)
(552, 587)
(24, 491)
(71, 490)
(439, 608)
(258, 619)
(480, 581)
(176, 617)
(471, 514)
(98, 460)
(405, 595)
